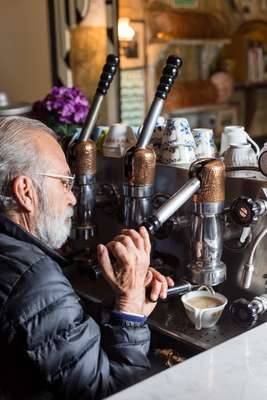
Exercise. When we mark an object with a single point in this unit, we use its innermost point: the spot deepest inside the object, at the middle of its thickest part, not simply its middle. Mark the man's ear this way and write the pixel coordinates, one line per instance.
(24, 192)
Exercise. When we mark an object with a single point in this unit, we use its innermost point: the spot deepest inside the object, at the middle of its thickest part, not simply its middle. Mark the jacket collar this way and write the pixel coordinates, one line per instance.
(10, 228)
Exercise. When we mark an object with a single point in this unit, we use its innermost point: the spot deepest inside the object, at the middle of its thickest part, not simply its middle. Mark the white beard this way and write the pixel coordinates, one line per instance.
(51, 228)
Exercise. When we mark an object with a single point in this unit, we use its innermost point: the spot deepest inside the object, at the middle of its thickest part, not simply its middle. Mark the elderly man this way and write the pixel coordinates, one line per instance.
(49, 348)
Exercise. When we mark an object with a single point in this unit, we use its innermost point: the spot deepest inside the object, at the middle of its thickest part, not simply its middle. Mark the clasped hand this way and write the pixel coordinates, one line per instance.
(130, 275)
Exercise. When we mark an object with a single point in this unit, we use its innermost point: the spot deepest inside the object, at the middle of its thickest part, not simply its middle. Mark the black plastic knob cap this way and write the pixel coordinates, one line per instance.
(167, 80)
(110, 68)
(243, 313)
(174, 60)
(104, 84)
(163, 88)
(106, 76)
(162, 95)
(112, 59)
(170, 70)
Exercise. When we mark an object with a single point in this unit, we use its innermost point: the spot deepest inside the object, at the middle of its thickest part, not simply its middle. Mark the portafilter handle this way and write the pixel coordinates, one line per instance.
(109, 70)
(169, 74)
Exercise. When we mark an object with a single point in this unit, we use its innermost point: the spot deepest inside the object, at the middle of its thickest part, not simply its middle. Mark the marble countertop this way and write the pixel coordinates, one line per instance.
(235, 369)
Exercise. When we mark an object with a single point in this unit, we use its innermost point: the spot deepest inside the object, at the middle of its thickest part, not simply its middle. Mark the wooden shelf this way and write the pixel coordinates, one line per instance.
(199, 109)
(191, 42)
(256, 85)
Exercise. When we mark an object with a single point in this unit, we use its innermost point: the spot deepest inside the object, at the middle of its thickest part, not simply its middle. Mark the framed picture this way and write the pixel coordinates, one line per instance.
(132, 52)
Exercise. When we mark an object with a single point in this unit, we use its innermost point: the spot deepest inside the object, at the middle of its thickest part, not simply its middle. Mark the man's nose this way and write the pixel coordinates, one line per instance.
(72, 198)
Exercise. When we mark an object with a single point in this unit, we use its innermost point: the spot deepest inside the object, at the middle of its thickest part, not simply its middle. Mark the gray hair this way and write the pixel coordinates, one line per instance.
(18, 155)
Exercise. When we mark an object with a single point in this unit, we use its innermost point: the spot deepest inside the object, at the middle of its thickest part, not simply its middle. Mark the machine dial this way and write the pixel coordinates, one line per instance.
(245, 314)
(244, 211)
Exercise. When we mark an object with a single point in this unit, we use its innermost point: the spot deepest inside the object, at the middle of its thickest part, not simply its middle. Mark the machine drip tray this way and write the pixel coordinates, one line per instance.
(171, 320)
(168, 320)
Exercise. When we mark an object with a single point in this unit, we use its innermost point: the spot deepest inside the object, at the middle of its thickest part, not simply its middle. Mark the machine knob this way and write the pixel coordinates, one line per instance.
(244, 211)
(177, 61)
(244, 313)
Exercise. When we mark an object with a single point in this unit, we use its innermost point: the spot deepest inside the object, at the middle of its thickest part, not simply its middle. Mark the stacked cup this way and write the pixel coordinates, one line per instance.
(157, 135)
(205, 146)
(178, 144)
(119, 138)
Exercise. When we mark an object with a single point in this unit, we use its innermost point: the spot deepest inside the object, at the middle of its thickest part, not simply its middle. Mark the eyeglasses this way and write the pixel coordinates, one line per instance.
(66, 180)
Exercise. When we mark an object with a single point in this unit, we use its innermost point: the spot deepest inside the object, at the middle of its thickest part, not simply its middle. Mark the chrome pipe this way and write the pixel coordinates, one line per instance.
(91, 118)
(150, 123)
(177, 200)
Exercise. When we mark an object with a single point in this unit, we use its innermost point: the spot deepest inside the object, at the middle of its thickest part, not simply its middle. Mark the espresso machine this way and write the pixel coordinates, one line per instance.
(207, 230)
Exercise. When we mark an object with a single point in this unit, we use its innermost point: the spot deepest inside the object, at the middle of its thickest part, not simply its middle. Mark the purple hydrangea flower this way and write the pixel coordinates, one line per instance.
(63, 109)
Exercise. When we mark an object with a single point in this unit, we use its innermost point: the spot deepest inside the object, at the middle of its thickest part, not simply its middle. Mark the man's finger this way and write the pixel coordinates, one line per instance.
(155, 290)
(120, 252)
(136, 238)
(126, 241)
(105, 263)
(149, 277)
(164, 287)
(147, 244)
(170, 281)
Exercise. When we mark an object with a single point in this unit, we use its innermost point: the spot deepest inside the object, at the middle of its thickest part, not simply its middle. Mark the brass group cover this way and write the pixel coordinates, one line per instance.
(212, 183)
(143, 167)
(85, 158)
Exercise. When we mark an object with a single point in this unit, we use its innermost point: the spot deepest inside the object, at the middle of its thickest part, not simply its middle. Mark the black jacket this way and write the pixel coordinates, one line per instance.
(49, 348)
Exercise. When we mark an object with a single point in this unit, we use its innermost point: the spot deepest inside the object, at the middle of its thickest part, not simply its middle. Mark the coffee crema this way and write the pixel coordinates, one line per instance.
(204, 302)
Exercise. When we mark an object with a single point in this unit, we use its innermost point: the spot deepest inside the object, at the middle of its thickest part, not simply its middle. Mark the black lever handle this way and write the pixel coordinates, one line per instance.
(109, 70)
(105, 80)
(169, 73)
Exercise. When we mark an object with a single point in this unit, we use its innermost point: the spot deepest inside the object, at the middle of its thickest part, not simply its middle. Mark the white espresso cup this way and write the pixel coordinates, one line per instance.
(156, 138)
(119, 138)
(177, 132)
(205, 146)
(234, 134)
(178, 155)
(240, 155)
(202, 308)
